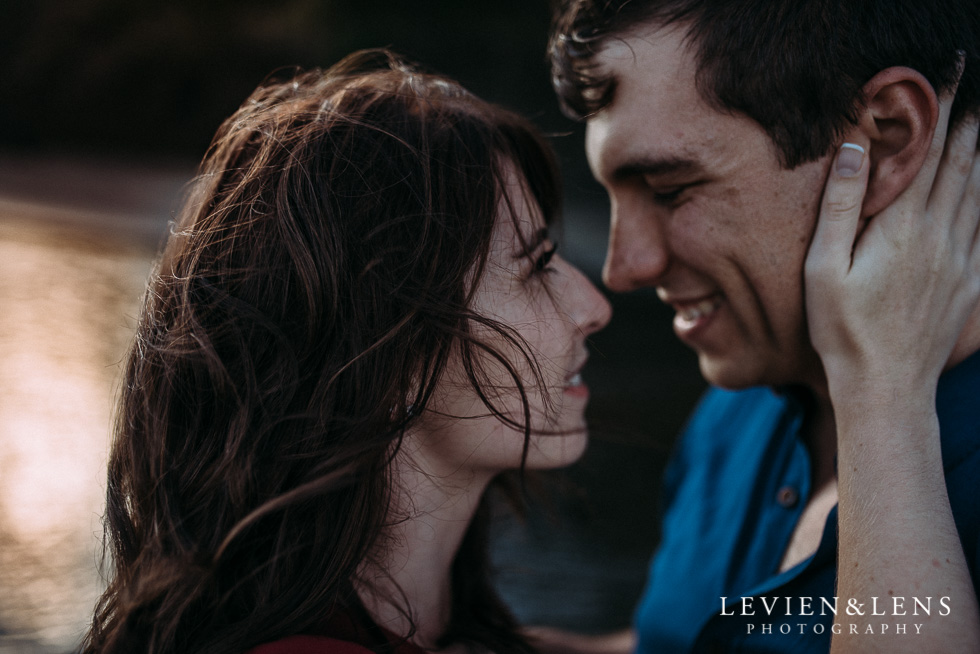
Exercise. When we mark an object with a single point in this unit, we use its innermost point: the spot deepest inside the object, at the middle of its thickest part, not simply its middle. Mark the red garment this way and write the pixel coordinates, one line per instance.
(341, 634)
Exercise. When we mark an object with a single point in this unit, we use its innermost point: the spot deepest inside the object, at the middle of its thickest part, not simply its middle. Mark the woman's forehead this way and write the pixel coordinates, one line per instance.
(520, 220)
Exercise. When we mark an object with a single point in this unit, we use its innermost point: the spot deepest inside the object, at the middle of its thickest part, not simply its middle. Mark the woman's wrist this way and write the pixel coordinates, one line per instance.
(852, 384)
(875, 411)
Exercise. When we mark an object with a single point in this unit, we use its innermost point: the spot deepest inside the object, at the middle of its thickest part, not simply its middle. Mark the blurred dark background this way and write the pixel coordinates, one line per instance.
(105, 107)
(114, 76)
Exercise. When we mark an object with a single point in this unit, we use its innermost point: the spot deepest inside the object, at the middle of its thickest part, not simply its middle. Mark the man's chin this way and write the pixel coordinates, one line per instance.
(738, 373)
(728, 373)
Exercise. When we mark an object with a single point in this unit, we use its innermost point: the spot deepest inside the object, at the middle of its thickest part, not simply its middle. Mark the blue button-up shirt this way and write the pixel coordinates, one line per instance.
(734, 492)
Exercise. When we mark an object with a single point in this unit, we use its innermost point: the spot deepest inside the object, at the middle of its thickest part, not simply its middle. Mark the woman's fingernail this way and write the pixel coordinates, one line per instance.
(849, 160)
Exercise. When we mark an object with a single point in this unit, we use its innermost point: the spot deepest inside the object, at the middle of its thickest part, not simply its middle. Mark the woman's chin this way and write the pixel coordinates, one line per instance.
(557, 450)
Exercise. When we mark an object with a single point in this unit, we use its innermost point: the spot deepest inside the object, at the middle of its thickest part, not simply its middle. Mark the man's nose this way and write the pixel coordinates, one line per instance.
(638, 255)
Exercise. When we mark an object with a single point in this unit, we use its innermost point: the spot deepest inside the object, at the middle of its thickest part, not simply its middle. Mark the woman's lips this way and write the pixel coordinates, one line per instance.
(576, 386)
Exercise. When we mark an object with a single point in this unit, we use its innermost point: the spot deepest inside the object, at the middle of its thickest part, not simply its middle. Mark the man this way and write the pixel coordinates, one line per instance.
(713, 126)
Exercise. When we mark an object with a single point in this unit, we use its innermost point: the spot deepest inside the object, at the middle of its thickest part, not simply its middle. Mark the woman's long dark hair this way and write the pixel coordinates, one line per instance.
(312, 291)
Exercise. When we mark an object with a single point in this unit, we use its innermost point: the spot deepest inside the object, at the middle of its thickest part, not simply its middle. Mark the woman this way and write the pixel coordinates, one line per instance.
(358, 322)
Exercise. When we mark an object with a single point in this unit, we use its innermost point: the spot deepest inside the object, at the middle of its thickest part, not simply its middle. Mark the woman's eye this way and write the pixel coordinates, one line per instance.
(541, 264)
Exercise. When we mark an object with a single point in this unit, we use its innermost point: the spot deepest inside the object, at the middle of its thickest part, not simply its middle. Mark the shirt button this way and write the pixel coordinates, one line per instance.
(787, 497)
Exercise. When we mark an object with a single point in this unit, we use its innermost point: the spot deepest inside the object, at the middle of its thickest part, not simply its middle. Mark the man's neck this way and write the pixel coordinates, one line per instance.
(820, 436)
(819, 429)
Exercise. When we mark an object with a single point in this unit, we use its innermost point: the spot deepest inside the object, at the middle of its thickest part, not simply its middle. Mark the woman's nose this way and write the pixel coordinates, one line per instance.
(593, 310)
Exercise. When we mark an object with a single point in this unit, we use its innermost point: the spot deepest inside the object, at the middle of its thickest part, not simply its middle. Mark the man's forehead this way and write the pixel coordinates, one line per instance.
(619, 147)
(654, 88)
(657, 119)
(618, 151)
(647, 55)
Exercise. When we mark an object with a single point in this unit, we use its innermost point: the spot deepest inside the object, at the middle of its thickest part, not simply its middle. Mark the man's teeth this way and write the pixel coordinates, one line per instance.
(703, 308)
(576, 379)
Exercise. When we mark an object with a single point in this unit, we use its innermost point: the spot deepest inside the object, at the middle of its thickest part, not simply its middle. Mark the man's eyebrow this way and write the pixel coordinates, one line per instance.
(532, 243)
(655, 166)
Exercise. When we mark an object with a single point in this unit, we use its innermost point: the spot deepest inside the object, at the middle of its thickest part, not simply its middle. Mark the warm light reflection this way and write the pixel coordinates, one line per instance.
(67, 310)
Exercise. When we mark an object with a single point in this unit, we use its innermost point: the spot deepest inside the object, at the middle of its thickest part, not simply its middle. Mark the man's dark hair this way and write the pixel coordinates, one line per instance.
(795, 67)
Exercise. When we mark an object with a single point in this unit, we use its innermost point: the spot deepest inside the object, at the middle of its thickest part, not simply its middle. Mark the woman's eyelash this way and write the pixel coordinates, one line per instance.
(541, 263)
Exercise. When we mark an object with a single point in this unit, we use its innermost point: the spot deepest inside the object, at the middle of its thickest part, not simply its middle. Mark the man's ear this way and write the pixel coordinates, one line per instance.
(900, 114)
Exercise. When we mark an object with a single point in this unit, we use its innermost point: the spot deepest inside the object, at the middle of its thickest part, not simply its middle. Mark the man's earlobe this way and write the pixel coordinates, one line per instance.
(900, 114)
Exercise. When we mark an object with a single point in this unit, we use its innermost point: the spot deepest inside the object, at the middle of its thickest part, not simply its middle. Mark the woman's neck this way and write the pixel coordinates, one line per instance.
(412, 566)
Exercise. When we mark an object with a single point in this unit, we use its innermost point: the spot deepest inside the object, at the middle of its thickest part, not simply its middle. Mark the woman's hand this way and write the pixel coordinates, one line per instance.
(886, 304)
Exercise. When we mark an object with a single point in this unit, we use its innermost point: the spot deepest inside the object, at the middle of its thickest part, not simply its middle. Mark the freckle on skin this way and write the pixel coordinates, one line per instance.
(937, 564)
(891, 592)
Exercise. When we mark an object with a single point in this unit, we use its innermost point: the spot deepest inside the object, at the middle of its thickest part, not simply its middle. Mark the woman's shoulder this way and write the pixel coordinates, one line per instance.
(309, 645)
